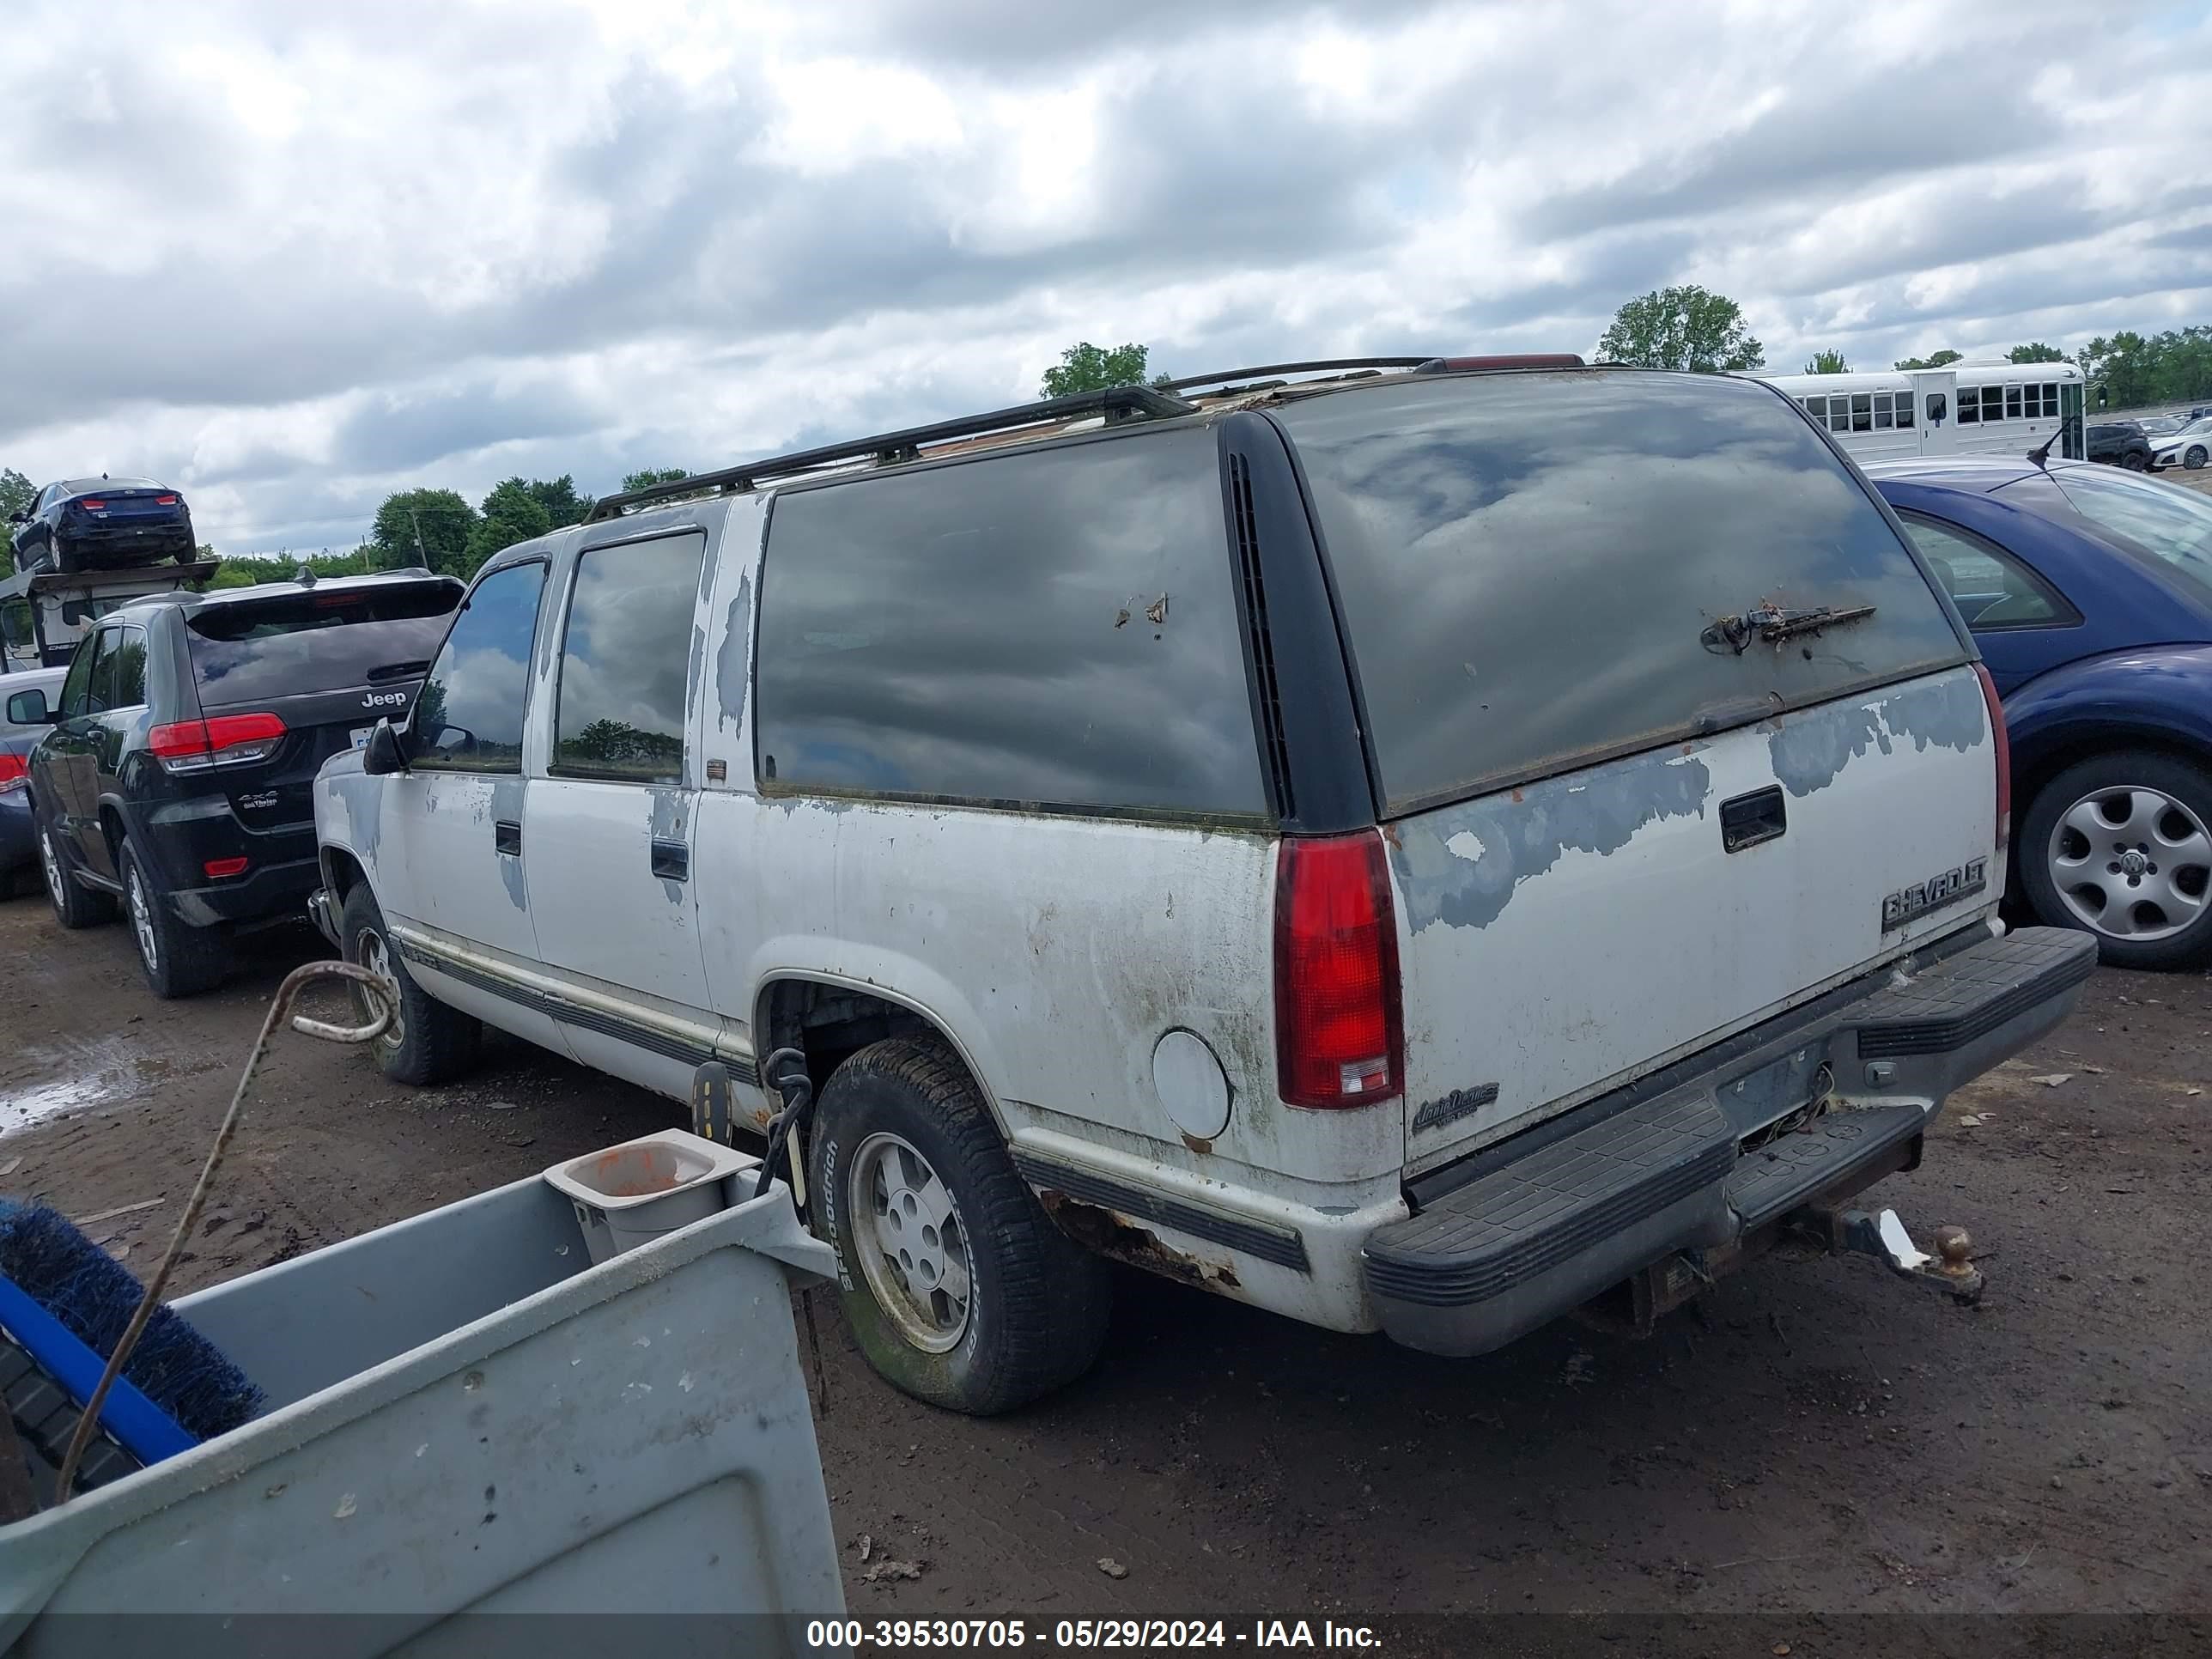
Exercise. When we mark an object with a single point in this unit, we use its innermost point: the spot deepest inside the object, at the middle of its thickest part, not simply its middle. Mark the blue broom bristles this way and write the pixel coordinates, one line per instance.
(95, 1296)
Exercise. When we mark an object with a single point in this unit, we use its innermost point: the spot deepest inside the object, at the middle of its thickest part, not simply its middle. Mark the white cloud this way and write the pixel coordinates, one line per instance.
(292, 255)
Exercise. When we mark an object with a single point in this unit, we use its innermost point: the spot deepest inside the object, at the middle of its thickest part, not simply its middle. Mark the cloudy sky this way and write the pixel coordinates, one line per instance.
(293, 255)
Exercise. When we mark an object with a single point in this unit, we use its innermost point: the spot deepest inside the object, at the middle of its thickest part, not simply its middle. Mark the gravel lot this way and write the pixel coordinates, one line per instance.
(1821, 1443)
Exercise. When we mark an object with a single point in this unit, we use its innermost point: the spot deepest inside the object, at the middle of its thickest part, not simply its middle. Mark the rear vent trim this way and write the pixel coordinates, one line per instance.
(1245, 527)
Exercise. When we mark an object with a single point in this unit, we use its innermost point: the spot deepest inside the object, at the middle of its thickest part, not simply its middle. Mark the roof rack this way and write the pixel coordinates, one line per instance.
(1121, 402)
(1315, 367)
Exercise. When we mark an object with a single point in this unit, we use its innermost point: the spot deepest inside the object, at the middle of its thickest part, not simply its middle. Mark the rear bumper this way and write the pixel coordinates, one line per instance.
(183, 837)
(1537, 1232)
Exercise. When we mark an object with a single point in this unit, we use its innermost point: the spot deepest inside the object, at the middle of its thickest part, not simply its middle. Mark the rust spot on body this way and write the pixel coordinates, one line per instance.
(1105, 1233)
(1195, 1144)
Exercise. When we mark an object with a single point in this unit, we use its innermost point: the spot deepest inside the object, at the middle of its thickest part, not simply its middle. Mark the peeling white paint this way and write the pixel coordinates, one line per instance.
(1467, 845)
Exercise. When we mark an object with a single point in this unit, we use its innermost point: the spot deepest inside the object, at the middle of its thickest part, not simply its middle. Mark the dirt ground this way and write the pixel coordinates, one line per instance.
(1823, 1441)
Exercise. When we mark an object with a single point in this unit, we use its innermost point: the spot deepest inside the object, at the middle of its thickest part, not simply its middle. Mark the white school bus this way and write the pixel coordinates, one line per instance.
(1994, 408)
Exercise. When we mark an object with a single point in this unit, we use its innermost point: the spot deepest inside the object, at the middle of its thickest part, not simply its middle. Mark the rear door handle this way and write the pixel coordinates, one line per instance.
(507, 836)
(671, 860)
(1750, 819)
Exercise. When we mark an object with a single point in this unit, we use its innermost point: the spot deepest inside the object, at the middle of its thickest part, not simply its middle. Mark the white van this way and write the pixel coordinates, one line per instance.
(1359, 846)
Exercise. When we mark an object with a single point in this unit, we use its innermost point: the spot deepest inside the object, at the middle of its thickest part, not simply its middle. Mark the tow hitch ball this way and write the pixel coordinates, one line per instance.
(1880, 1234)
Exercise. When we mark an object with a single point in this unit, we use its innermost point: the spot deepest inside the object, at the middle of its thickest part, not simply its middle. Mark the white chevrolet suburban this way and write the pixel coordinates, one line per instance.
(1363, 845)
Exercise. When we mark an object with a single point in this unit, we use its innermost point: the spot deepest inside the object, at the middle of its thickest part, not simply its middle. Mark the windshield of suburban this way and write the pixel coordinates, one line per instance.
(1529, 571)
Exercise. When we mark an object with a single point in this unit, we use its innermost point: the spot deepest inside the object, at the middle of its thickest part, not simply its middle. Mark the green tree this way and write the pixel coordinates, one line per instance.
(2036, 353)
(15, 495)
(1086, 367)
(1933, 359)
(424, 526)
(648, 476)
(2123, 367)
(1686, 327)
(559, 498)
(512, 513)
(1827, 363)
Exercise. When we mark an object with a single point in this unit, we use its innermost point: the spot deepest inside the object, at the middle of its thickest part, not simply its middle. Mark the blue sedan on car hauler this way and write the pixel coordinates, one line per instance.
(2089, 589)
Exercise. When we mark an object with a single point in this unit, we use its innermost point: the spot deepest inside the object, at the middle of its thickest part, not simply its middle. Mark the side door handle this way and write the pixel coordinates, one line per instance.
(507, 836)
(671, 860)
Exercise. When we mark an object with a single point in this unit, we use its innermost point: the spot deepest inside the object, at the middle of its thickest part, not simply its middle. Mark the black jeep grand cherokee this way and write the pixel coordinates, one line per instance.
(176, 777)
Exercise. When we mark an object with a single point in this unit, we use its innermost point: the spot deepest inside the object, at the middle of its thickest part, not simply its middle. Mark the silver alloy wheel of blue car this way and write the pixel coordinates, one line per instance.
(2131, 862)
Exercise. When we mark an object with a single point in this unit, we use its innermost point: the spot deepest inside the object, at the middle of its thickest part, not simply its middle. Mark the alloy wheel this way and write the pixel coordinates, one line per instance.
(911, 1242)
(2131, 862)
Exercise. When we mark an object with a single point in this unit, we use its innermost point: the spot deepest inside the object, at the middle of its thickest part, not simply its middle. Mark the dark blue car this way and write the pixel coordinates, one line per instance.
(2089, 589)
(103, 524)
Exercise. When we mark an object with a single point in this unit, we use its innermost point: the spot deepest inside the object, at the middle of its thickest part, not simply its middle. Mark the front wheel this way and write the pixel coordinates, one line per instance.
(2134, 463)
(2194, 461)
(2120, 845)
(426, 1042)
(955, 1282)
(179, 959)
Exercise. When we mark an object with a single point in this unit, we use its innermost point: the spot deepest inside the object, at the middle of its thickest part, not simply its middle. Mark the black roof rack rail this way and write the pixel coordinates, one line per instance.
(1121, 402)
(1297, 368)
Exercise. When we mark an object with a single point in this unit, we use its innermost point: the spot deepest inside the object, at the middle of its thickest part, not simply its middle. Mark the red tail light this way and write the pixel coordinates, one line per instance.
(1339, 1036)
(2004, 754)
(219, 868)
(14, 772)
(97, 507)
(226, 740)
(164, 500)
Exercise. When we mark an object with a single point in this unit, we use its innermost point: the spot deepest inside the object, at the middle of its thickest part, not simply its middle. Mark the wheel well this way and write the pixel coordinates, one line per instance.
(828, 1023)
(341, 872)
(2048, 759)
(111, 825)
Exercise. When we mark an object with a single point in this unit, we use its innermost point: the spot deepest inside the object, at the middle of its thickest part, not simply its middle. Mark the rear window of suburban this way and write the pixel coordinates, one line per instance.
(1054, 627)
(1527, 564)
(246, 649)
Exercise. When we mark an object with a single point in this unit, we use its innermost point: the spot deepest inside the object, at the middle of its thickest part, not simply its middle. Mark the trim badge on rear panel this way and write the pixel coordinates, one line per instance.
(1934, 894)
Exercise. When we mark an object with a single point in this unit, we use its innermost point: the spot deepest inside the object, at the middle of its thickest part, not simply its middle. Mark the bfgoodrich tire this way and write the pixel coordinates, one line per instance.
(2120, 845)
(426, 1042)
(957, 1286)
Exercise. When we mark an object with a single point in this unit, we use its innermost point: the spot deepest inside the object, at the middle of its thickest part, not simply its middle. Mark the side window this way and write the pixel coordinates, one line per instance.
(469, 716)
(118, 681)
(1992, 588)
(620, 712)
(2012, 403)
(1057, 627)
(1904, 408)
(1939, 406)
(1839, 414)
(1993, 402)
(1861, 411)
(1818, 409)
(103, 672)
(1881, 419)
(76, 684)
(1969, 405)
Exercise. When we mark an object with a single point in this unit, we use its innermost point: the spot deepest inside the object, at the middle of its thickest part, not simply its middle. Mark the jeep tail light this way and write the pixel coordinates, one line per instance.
(220, 868)
(2004, 754)
(1339, 1039)
(225, 740)
(14, 772)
